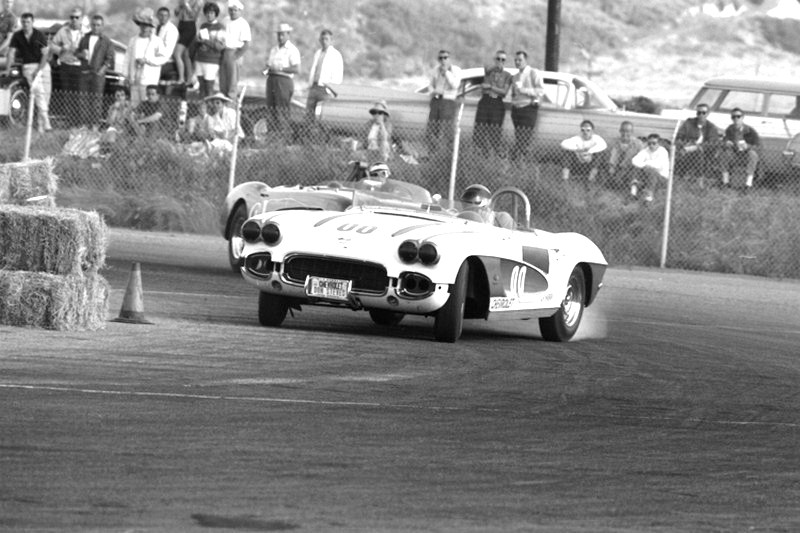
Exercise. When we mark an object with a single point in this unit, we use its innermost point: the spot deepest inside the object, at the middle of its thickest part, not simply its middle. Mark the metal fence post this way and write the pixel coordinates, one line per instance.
(29, 125)
(451, 189)
(235, 151)
(668, 204)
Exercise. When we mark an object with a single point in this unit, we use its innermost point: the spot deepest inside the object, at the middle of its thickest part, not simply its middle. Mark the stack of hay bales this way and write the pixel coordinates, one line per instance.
(49, 257)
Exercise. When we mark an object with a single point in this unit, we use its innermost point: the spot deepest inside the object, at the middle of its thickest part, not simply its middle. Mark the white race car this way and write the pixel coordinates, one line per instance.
(448, 260)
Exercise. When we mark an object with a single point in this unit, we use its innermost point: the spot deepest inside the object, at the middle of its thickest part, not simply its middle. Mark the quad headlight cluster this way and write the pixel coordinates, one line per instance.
(411, 251)
(252, 231)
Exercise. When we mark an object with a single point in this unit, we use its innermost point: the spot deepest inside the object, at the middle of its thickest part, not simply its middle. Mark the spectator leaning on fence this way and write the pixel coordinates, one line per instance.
(740, 146)
(652, 164)
(96, 53)
(8, 25)
(696, 142)
(527, 89)
(491, 112)
(621, 152)
(30, 47)
(237, 41)
(144, 57)
(282, 65)
(582, 153)
(327, 71)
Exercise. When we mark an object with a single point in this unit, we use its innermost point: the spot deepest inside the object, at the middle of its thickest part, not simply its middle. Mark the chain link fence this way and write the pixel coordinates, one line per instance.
(694, 221)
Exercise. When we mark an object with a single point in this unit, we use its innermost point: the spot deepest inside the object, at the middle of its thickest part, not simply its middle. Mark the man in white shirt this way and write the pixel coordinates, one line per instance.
(283, 64)
(64, 45)
(237, 41)
(144, 57)
(167, 32)
(443, 87)
(327, 71)
(652, 163)
(219, 126)
(527, 89)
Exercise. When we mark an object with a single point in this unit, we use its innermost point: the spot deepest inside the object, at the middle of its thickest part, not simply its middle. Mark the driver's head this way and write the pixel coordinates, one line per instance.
(379, 171)
(476, 195)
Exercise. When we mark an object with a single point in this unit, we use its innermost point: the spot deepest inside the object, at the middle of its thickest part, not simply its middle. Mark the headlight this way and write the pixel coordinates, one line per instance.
(271, 233)
(251, 231)
(428, 254)
(408, 251)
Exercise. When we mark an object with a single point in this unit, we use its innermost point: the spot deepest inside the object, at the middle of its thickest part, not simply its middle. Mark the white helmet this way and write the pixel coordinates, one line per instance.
(477, 195)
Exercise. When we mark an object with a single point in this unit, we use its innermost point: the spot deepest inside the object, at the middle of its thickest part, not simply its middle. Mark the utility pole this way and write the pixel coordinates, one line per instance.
(553, 35)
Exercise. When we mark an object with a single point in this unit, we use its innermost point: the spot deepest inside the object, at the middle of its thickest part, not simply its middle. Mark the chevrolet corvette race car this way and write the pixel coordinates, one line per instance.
(252, 197)
(393, 257)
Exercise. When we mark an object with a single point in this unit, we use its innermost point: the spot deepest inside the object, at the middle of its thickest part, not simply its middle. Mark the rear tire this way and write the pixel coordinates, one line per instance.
(235, 237)
(271, 309)
(386, 318)
(562, 326)
(450, 318)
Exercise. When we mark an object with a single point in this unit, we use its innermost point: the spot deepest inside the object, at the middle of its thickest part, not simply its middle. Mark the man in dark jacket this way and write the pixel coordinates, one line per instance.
(96, 53)
(741, 144)
(697, 144)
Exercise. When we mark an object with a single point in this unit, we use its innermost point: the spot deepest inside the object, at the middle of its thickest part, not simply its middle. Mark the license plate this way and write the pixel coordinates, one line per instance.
(332, 289)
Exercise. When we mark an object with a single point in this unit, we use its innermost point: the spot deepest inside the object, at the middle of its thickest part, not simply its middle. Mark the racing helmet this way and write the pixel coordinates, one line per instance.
(379, 170)
(477, 195)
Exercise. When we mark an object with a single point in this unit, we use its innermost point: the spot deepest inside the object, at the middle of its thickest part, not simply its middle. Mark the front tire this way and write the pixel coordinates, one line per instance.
(450, 318)
(562, 326)
(385, 318)
(235, 237)
(272, 309)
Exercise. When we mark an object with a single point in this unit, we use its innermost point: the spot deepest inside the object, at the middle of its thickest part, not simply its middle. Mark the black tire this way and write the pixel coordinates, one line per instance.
(18, 105)
(562, 326)
(383, 317)
(271, 309)
(450, 318)
(234, 238)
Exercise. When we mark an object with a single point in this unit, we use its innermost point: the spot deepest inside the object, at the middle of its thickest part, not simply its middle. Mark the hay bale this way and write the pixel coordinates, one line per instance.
(20, 182)
(65, 303)
(55, 240)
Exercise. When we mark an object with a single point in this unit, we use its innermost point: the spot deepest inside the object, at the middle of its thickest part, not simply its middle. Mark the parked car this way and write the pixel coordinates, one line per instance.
(395, 258)
(771, 106)
(569, 99)
(14, 88)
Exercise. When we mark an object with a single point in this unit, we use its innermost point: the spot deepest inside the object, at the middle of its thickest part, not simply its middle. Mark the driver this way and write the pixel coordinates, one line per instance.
(477, 199)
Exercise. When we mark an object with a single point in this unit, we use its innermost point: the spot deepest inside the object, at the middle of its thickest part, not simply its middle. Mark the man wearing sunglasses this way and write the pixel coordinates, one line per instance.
(443, 88)
(527, 88)
(491, 110)
(696, 143)
(652, 164)
(741, 144)
(65, 46)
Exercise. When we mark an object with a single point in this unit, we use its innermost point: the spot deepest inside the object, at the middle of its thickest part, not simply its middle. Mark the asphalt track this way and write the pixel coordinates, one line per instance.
(676, 409)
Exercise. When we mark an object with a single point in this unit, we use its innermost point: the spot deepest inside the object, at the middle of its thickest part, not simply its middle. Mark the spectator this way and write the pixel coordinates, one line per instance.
(527, 89)
(740, 146)
(237, 41)
(64, 45)
(491, 111)
(652, 164)
(327, 71)
(8, 25)
(96, 53)
(282, 65)
(581, 153)
(187, 13)
(696, 143)
(220, 122)
(207, 49)
(168, 33)
(379, 133)
(443, 87)
(191, 131)
(29, 45)
(119, 117)
(147, 115)
(144, 56)
(621, 152)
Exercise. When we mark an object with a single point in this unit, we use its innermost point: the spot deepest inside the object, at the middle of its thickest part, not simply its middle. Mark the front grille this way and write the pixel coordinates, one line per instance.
(366, 277)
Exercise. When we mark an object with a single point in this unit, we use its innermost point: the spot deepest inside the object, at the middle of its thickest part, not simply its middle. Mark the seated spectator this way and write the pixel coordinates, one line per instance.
(696, 144)
(582, 153)
(219, 126)
(621, 152)
(379, 133)
(652, 164)
(148, 114)
(119, 116)
(740, 146)
(190, 131)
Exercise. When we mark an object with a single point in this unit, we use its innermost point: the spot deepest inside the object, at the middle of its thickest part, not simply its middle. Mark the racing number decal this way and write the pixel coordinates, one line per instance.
(517, 281)
(363, 230)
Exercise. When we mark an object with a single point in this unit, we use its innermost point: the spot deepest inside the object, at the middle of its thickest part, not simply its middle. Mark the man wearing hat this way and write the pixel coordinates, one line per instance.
(326, 72)
(283, 64)
(379, 133)
(64, 45)
(237, 40)
(144, 56)
(220, 121)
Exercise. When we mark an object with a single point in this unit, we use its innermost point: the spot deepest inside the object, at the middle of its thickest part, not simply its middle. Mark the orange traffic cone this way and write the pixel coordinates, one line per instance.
(132, 311)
